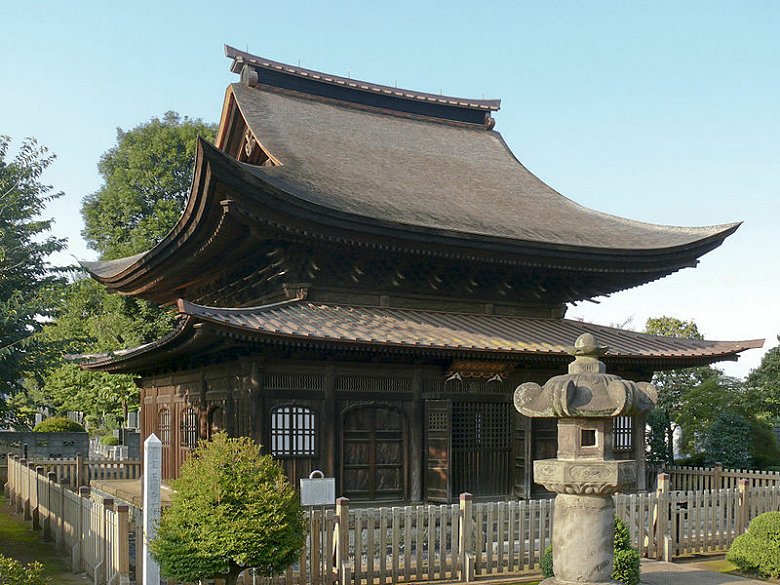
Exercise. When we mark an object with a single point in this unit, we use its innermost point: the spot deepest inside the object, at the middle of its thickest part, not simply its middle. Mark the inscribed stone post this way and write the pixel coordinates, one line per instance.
(151, 485)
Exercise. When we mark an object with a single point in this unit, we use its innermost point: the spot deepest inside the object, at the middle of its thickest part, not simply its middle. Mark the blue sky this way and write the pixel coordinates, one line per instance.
(667, 112)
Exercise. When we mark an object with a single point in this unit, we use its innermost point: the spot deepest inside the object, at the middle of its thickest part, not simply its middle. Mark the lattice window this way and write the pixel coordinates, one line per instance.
(293, 431)
(623, 430)
(164, 426)
(189, 428)
(481, 425)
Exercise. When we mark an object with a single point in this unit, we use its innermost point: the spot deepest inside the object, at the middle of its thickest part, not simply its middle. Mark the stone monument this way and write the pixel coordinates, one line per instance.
(585, 475)
(151, 513)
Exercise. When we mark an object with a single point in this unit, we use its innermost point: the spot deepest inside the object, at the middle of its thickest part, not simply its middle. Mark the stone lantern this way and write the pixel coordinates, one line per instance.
(585, 474)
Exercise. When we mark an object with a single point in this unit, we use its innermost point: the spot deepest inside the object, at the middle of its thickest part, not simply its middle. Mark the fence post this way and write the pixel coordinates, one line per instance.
(8, 486)
(465, 538)
(743, 510)
(28, 492)
(75, 553)
(717, 477)
(100, 575)
(46, 522)
(19, 503)
(35, 511)
(661, 516)
(342, 538)
(79, 471)
(123, 544)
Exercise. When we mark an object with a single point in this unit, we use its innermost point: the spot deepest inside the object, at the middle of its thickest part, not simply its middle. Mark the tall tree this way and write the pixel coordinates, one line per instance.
(146, 183)
(27, 280)
(672, 389)
(89, 321)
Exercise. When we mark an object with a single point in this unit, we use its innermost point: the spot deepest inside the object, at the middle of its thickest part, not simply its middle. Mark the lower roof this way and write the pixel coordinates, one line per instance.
(434, 333)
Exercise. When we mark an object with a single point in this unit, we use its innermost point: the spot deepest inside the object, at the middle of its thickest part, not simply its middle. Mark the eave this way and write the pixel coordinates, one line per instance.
(344, 330)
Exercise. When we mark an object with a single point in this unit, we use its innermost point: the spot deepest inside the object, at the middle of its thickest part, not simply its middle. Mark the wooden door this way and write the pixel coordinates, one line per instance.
(481, 448)
(438, 435)
(373, 461)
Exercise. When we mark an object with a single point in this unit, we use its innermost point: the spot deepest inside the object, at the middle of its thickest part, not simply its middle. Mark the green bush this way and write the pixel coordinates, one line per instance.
(758, 550)
(232, 509)
(12, 572)
(109, 440)
(58, 424)
(625, 567)
(547, 563)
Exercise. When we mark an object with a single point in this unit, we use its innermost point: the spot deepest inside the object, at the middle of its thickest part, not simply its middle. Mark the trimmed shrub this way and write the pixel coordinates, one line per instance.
(625, 567)
(12, 572)
(58, 424)
(758, 550)
(109, 440)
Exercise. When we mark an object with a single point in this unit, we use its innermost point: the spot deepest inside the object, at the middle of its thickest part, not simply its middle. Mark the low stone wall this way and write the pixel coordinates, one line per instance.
(43, 445)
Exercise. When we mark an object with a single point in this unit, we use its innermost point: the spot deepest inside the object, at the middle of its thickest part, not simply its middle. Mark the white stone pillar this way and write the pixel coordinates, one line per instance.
(151, 487)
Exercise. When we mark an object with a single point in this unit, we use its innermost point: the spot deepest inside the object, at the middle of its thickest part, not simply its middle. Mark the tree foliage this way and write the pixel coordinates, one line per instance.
(91, 321)
(727, 441)
(146, 183)
(763, 385)
(232, 509)
(27, 281)
(701, 401)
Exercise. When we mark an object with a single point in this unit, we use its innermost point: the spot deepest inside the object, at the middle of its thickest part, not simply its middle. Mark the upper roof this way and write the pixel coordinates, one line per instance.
(447, 334)
(345, 167)
(431, 175)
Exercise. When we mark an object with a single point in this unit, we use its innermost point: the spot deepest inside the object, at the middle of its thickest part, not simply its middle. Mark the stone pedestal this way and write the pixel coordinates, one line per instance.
(584, 530)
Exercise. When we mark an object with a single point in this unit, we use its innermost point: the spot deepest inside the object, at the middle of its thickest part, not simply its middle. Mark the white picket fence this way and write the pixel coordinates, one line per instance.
(376, 546)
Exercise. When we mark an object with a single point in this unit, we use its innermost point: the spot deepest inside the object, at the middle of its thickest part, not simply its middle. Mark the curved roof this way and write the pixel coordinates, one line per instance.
(429, 174)
(375, 329)
(350, 171)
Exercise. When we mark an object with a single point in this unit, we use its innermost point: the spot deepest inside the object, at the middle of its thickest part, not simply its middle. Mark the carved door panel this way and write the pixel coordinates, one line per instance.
(373, 454)
(438, 416)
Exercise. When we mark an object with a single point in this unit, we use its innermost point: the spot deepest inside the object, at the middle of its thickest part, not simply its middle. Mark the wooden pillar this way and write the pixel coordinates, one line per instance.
(123, 544)
(465, 538)
(75, 553)
(638, 438)
(50, 518)
(35, 511)
(661, 518)
(342, 533)
(743, 510)
(329, 425)
(417, 423)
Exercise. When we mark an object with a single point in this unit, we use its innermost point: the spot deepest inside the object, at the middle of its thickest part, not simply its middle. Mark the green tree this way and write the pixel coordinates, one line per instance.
(232, 509)
(27, 280)
(91, 321)
(146, 182)
(727, 441)
(673, 387)
(763, 385)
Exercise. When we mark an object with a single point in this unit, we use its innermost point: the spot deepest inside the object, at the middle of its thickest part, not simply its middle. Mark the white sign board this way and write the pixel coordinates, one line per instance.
(320, 491)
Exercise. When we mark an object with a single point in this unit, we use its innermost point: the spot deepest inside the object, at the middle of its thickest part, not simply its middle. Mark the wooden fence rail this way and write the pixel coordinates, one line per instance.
(93, 529)
(376, 546)
(712, 478)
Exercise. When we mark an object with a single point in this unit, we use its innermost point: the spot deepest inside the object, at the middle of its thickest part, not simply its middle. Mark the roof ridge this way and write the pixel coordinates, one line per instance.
(256, 70)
